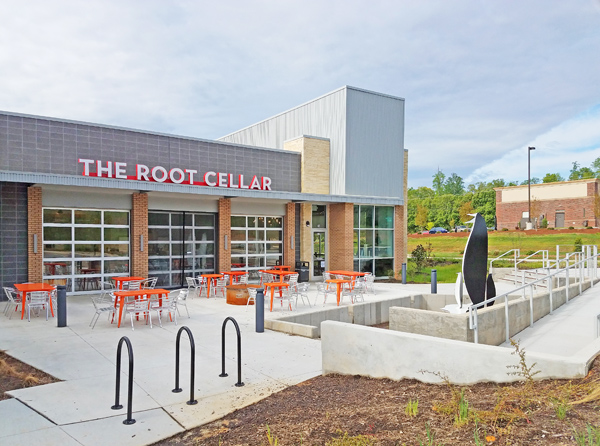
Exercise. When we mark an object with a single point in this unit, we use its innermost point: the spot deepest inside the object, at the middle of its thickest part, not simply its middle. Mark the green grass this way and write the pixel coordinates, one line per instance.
(450, 246)
(445, 273)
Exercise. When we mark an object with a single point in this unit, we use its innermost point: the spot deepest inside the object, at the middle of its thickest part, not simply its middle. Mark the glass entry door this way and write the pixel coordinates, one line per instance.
(318, 254)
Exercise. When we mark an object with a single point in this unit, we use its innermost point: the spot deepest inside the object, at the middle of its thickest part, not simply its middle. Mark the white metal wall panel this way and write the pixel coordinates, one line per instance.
(324, 117)
(53, 196)
(177, 202)
(262, 207)
(374, 144)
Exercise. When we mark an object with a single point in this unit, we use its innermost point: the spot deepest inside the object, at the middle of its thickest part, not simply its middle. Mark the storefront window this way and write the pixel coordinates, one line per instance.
(374, 239)
(256, 242)
(319, 216)
(94, 246)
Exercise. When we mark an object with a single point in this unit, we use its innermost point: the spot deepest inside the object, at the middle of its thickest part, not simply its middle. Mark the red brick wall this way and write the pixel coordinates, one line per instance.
(289, 230)
(34, 226)
(341, 232)
(224, 229)
(509, 214)
(139, 227)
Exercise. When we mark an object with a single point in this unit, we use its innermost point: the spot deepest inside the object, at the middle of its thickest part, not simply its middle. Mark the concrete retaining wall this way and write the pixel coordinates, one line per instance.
(350, 349)
(425, 317)
(369, 313)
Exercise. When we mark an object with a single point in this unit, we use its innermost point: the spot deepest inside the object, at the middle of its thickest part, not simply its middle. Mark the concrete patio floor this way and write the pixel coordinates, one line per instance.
(77, 411)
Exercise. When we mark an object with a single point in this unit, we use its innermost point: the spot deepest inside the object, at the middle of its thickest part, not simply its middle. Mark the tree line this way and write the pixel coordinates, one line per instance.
(448, 202)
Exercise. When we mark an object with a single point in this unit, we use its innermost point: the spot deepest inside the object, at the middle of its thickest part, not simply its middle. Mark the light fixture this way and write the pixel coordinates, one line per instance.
(307, 224)
(141, 242)
(226, 238)
(292, 242)
(35, 240)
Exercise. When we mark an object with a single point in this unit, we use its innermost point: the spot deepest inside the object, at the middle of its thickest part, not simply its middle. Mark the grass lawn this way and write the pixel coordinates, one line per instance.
(453, 244)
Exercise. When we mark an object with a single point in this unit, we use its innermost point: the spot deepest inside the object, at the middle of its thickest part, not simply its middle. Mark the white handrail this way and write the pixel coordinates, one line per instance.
(472, 309)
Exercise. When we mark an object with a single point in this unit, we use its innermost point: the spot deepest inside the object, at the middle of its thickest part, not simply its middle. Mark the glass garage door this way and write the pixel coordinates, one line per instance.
(84, 247)
(180, 245)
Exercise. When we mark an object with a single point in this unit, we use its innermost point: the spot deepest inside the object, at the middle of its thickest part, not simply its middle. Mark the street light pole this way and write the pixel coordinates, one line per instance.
(529, 149)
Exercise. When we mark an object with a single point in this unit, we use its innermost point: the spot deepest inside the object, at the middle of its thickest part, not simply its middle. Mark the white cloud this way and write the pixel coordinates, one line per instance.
(481, 79)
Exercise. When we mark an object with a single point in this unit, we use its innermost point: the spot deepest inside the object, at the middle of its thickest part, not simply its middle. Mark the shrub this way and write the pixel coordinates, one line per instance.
(577, 245)
(419, 256)
(552, 229)
(528, 253)
(571, 227)
(589, 227)
(544, 223)
(505, 229)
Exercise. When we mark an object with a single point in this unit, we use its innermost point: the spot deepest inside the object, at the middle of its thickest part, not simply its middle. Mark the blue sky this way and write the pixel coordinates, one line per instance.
(483, 80)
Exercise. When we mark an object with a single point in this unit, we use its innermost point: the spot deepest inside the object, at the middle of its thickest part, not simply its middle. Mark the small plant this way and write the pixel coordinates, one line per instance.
(270, 438)
(588, 437)
(505, 229)
(529, 253)
(462, 415)
(571, 227)
(577, 244)
(561, 408)
(551, 229)
(589, 227)
(412, 408)
(544, 223)
(419, 256)
(346, 440)
(522, 369)
(430, 437)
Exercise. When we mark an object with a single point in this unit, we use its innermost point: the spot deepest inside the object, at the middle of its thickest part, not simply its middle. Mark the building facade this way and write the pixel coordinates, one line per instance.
(81, 203)
(563, 204)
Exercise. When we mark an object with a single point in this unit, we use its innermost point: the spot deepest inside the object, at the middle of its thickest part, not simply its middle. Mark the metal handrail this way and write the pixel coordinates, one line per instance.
(517, 254)
(472, 309)
(545, 257)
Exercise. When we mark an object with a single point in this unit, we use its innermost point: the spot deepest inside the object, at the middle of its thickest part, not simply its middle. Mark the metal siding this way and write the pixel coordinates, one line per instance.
(375, 145)
(324, 117)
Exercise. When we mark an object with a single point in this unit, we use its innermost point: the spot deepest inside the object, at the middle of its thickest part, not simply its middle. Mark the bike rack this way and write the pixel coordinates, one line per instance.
(117, 406)
(239, 350)
(178, 389)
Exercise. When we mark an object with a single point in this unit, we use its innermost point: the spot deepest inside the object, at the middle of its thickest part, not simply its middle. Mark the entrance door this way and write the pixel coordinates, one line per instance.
(559, 220)
(318, 254)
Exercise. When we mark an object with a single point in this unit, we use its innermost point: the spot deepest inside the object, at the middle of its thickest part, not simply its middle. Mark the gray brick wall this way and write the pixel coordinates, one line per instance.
(13, 241)
(47, 145)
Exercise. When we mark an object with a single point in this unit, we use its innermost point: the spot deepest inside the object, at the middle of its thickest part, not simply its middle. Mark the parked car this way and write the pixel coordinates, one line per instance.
(438, 230)
(425, 232)
(462, 228)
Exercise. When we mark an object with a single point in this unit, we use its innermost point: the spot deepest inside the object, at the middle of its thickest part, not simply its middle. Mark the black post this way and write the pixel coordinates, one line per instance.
(434, 281)
(117, 406)
(61, 306)
(178, 389)
(239, 383)
(259, 304)
(404, 273)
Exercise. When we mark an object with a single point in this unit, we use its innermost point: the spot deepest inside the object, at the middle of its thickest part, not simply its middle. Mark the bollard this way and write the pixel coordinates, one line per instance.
(259, 305)
(434, 281)
(404, 274)
(61, 306)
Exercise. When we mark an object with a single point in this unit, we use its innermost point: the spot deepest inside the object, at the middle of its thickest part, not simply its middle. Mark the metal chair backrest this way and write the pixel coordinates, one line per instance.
(133, 285)
(11, 293)
(252, 293)
(326, 276)
(37, 297)
(243, 279)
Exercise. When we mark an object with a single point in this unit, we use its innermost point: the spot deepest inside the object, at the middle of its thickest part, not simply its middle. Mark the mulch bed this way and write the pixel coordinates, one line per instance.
(15, 374)
(523, 232)
(369, 411)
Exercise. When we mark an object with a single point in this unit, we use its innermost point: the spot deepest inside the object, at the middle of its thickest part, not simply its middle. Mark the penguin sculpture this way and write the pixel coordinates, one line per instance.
(474, 266)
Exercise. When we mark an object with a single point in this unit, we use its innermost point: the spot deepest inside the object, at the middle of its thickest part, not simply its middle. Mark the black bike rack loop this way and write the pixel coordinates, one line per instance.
(239, 350)
(178, 389)
(117, 406)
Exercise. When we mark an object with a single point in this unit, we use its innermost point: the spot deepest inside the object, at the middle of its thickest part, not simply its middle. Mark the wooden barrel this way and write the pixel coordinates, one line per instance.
(238, 294)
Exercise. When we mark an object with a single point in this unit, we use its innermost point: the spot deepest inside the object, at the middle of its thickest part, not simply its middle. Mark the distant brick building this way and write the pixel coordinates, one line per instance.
(563, 204)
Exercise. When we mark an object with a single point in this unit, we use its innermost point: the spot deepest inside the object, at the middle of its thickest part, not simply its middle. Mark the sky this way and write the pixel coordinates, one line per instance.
(482, 79)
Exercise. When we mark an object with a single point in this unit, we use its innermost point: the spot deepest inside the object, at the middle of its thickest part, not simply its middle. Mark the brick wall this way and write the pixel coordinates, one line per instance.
(224, 229)
(400, 239)
(139, 227)
(289, 230)
(34, 226)
(341, 227)
(577, 210)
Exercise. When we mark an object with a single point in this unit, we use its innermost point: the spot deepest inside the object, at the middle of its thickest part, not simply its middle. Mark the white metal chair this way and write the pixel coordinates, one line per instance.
(203, 284)
(193, 286)
(37, 299)
(149, 283)
(133, 285)
(219, 287)
(355, 294)
(292, 279)
(301, 292)
(166, 304)
(102, 304)
(13, 299)
(138, 307)
(251, 296)
(370, 283)
(243, 280)
(286, 295)
(182, 296)
(322, 288)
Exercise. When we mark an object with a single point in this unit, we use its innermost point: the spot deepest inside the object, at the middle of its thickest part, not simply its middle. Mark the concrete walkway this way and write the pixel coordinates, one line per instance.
(77, 410)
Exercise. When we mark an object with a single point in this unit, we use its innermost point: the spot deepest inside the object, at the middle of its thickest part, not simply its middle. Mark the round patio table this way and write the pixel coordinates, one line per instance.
(209, 281)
